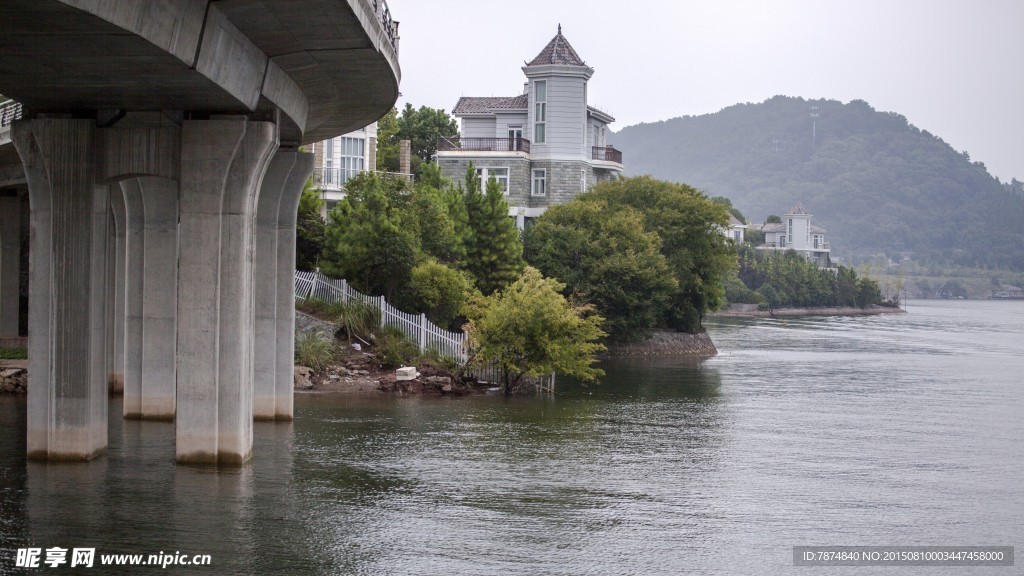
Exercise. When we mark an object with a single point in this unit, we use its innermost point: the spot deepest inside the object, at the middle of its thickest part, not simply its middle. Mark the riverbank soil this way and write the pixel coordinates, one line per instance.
(358, 373)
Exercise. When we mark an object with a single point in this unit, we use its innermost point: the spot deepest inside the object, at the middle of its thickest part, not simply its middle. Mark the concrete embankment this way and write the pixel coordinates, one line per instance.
(666, 343)
(751, 311)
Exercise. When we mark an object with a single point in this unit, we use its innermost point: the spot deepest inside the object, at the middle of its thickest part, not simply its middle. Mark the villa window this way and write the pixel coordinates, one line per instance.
(352, 160)
(540, 113)
(499, 174)
(540, 183)
(583, 181)
(789, 230)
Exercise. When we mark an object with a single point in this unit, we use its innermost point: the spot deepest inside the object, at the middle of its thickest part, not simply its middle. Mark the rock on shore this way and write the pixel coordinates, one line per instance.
(667, 343)
(13, 381)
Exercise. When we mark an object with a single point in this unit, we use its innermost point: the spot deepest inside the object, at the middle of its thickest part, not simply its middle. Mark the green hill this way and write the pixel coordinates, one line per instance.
(878, 184)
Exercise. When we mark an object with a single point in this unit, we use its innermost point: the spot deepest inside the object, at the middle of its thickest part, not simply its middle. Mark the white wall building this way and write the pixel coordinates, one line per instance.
(342, 157)
(796, 232)
(544, 146)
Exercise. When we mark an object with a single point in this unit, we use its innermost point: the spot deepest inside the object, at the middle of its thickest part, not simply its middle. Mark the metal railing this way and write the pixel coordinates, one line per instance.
(380, 8)
(457, 143)
(9, 112)
(335, 178)
(416, 327)
(606, 153)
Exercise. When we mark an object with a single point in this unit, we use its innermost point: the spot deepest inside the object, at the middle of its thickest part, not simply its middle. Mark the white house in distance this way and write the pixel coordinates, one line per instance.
(544, 146)
(736, 229)
(796, 232)
(342, 157)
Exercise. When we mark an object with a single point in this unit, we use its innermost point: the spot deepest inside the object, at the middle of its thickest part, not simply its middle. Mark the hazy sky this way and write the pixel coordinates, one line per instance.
(952, 67)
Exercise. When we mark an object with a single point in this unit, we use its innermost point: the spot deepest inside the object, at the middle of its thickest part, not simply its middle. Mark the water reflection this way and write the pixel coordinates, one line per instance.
(804, 431)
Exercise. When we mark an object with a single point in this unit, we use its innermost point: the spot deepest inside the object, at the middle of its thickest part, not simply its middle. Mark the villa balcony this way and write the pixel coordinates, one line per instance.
(821, 247)
(460, 144)
(606, 154)
(334, 179)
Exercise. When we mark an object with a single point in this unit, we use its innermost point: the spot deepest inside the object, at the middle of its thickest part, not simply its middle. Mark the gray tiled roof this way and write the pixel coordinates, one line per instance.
(485, 104)
(798, 208)
(558, 51)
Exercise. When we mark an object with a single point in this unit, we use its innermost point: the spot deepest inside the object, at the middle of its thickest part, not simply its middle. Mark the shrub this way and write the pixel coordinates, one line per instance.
(358, 319)
(13, 354)
(314, 350)
(393, 349)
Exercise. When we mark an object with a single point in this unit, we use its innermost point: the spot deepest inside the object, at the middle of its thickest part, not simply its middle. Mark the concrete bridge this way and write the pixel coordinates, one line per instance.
(157, 155)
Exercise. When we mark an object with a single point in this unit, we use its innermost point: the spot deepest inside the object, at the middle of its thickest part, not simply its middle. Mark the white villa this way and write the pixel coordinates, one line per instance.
(797, 233)
(342, 157)
(736, 229)
(544, 146)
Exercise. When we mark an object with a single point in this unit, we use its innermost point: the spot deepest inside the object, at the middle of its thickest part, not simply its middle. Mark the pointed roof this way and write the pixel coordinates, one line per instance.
(798, 208)
(558, 51)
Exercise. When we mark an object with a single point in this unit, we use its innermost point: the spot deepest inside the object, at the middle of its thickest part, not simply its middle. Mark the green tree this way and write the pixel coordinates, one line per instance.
(531, 330)
(429, 209)
(422, 127)
(440, 292)
(310, 230)
(606, 258)
(371, 240)
(494, 252)
(688, 223)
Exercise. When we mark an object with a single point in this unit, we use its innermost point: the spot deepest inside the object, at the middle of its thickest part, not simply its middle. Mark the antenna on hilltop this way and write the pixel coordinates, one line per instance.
(814, 126)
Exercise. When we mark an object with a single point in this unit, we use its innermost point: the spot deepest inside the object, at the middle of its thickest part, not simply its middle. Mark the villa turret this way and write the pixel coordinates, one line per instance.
(544, 146)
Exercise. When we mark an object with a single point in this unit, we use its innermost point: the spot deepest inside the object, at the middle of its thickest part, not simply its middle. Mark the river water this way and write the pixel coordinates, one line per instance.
(886, 430)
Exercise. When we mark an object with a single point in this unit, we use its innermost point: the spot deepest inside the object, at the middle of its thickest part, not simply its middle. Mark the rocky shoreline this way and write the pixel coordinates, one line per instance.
(13, 379)
(666, 343)
(752, 311)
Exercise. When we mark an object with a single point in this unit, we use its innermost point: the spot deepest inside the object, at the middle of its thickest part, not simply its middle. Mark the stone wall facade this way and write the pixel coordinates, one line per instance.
(564, 181)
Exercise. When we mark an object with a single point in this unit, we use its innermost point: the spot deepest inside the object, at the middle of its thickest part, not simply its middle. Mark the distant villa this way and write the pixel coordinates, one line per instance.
(544, 146)
(1007, 292)
(796, 232)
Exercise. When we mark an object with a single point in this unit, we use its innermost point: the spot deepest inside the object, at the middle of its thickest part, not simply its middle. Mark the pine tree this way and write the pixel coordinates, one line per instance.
(494, 252)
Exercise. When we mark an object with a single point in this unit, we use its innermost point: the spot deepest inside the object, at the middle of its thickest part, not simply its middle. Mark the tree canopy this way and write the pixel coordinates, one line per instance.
(422, 127)
(531, 330)
(698, 255)
(605, 257)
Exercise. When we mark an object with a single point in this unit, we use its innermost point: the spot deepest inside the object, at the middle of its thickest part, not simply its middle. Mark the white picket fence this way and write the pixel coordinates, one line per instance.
(416, 327)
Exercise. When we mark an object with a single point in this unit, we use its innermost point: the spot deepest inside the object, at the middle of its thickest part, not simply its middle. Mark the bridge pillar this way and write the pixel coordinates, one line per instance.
(67, 393)
(116, 236)
(274, 276)
(10, 263)
(223, 161)
(151, 204)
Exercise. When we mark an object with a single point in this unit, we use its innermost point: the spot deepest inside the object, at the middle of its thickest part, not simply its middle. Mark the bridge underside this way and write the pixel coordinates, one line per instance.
(159, 151)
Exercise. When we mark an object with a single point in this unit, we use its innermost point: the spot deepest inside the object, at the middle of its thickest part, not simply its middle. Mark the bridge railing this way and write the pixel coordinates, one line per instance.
(9, 112)
(416, 327)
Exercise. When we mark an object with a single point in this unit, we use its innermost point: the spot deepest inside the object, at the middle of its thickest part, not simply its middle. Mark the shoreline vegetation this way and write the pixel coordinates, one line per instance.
(753, 311)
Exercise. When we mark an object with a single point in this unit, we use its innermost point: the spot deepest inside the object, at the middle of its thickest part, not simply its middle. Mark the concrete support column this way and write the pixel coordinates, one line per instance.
(152, 297)
(222, 166)
(135, 258)
(10, 263)
(115, 291)
(274, 277)
(67, 396)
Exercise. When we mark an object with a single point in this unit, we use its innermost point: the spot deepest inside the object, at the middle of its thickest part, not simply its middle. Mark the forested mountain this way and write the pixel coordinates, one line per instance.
(877, 183)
